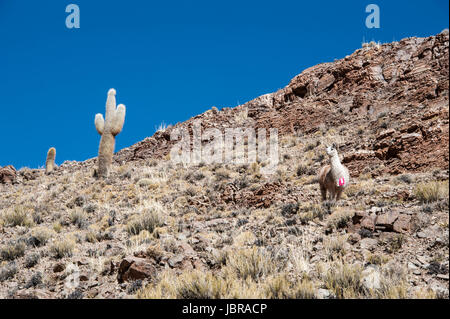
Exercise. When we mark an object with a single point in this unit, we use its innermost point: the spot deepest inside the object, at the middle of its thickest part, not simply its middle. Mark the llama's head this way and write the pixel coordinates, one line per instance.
(332, 150)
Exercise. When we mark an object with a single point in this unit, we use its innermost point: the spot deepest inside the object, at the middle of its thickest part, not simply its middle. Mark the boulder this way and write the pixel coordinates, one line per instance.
(402, 224)
(358, 216)
(368, 243)
(7, 174)
(175, 260)
(354, 238)
(386, 221)
(368, 223)
(134, 268)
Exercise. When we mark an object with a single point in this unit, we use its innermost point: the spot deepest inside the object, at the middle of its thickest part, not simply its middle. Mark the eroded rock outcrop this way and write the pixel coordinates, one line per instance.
(7, 174)
(395, 93)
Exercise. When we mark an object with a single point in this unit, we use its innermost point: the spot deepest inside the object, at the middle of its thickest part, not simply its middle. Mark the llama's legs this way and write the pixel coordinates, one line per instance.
(332, 195)
(323, 190)
(338, 194)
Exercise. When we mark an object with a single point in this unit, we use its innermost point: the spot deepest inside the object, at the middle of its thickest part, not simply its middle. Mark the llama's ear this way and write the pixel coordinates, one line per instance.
(334, 146)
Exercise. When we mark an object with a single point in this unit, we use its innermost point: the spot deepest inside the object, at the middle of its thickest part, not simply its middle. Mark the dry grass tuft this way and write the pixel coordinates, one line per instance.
(13, 250)
(63, 248)
(279, 287)
(340, 218)
(19, 216)
(344, 280)
(149, 219)
(335, 246)
(190, 285)
(252, 262)
(431, 191)
(41, 235)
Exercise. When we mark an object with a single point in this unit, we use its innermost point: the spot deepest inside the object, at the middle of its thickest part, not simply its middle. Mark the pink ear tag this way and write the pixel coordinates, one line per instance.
(341, 181)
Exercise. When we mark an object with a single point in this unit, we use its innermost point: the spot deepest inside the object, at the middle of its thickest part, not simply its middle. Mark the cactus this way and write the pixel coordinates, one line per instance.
(50, 162)
(108, 128)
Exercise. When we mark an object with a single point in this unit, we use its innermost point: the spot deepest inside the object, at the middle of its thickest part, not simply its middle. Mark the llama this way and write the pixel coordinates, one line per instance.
(333, 178)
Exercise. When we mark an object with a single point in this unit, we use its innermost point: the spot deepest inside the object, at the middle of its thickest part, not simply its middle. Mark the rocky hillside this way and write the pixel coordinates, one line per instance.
(155, 229)
(389, 104)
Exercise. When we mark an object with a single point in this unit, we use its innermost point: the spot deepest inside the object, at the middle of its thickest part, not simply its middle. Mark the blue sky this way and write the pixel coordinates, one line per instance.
(168, 61)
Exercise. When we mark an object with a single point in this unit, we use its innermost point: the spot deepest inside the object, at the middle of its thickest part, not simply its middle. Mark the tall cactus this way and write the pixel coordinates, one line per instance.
(50, 162)
(108, 128)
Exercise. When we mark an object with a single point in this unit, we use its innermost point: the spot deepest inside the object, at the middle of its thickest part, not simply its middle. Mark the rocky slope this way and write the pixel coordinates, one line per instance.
(157, 229)
(389, 103)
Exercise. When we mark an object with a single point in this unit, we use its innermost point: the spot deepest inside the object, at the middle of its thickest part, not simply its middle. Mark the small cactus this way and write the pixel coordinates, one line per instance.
(108, 128)
(50, 162)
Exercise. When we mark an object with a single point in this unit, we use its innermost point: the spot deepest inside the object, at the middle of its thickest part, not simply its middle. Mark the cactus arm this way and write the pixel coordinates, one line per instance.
(50, 162)
(99, 123)
(119, 119)
(110, 107)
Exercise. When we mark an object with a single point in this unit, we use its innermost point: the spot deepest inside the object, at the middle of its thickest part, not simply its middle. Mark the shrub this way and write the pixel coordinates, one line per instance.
(339, 219)
(34, 281)
(31, 260)
(149, 219)
(311, 146)
(57, 227)
(63, 248)
(250, 263)
(13, 250)
(279, 287)
(41, 235)
(344, 280)
(335, 246)
(197, 285)
(189, 285)
(8, 271)
(406, 178)
(310, 212)
(377, 259)
(17, 217)
(431, 191)
(222, 174)
(393, 284)
(78, 218)
(289, 209)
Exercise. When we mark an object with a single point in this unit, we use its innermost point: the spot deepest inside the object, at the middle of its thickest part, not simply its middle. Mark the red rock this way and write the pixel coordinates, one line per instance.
(325, 82)
(368, 223)
(385, 134)
(386, 220)
(187, 249)
(134, 268)
(7, 174)
(402, 224)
